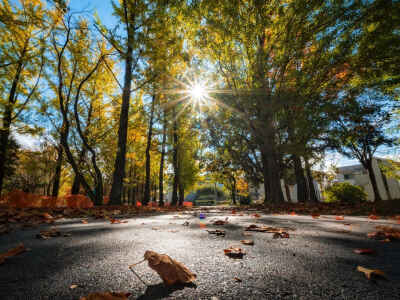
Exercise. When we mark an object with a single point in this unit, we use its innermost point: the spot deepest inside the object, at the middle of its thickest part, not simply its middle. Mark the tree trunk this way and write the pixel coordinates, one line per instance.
(175, 162)
(377, 196)
(181, 194)
(57, 175)
(312, 192)
(4, 136)
(148, 146)
(7, 119)
(119, 167)
(271, 174)
(233, 192)
(161, 174)
(300, 179)
(287, 190)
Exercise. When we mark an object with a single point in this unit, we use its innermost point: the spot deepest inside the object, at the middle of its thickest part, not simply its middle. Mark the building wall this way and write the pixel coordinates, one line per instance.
(364, 181)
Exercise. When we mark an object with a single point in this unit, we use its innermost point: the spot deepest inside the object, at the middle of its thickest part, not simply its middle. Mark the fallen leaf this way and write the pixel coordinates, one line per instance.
(364, 251)
(107, 296)
(256, 216)
(237, 279)
(84, 221)
(73, 286)
(369, 272)
(47, 216)
(315, 216)
(202, 225)
(247, 242)
(233, 212)
(293, 213)
(117, 221)
(46, 234)
(217, 232)
(373, 217)
(12, 252)
(282, 235)
(170, 270)
(220, 222)
(257, 228)
(234, 252)
(385, 232)
(339, 218)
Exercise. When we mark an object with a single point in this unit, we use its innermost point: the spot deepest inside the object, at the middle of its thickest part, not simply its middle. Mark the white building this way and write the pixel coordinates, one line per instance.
(389, 188)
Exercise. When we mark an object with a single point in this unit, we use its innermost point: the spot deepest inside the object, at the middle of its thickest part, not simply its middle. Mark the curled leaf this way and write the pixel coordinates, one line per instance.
(170, 270)
(339, 218)
(369, 273)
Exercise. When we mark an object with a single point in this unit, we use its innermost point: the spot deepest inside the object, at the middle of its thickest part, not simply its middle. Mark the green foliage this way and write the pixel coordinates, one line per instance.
(208, 192)
(344, 192)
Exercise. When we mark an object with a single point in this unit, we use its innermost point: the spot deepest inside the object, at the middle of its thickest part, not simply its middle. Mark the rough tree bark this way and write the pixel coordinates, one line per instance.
(300, 179)
(312, 192)
(146, 198)
(57, 175)
(372, 177)
(175, 160)
(119, 167)
(161, 174)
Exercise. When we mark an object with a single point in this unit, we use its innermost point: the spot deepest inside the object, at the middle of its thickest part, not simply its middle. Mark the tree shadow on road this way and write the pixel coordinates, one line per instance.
(159, 291)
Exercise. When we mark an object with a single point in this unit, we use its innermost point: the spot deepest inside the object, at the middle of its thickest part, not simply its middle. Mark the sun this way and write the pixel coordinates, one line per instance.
(198, 92)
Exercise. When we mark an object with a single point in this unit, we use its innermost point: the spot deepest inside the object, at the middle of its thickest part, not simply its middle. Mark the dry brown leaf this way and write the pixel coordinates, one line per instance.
(315, 216)
(220, 222)
(12, 252)
(107, 296)
(237, 279)
(234, 252)
(369, 272)
(73, 286)
(282, 235)
(217, 232)
(257, 228)
(170, 270)
(247, 242)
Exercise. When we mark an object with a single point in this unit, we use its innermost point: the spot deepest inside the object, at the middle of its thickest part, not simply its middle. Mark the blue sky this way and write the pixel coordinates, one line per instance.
(102, 7)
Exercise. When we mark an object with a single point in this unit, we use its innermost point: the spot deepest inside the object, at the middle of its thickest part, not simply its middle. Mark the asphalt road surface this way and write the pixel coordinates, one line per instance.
(316, 262)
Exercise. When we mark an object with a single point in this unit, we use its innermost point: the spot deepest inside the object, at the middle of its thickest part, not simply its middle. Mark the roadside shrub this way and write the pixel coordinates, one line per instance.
(344, 192)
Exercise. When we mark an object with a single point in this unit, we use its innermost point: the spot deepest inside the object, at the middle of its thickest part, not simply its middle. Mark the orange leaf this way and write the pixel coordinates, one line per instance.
(315, 216)
(202, 225)
(293, 213)
(364, 251)
(107, 296)
(256, 216)
(373, 217)
(247, 242)
(339, 218)
(370, 272)
(47, 216)
(12, 252)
